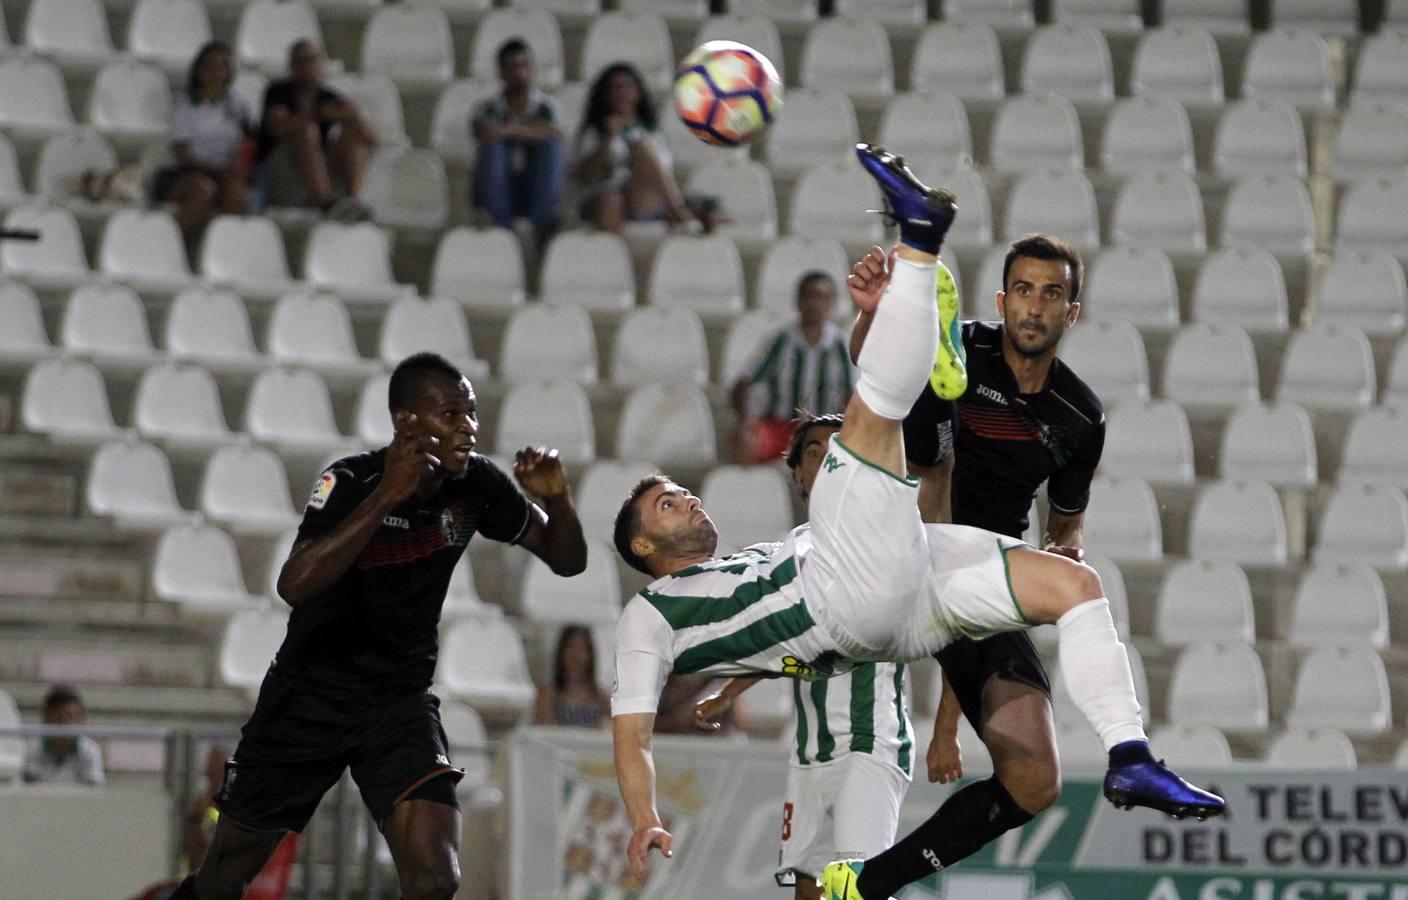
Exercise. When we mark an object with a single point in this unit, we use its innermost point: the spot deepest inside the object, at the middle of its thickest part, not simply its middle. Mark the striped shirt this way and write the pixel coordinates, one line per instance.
(795, 375)
(861, 712)
(742, 614)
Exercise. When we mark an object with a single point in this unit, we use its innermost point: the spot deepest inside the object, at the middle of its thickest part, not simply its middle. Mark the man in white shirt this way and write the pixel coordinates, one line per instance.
(63, 760)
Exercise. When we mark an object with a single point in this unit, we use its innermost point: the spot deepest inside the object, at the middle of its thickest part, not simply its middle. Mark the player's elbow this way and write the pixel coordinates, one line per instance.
(291, 586)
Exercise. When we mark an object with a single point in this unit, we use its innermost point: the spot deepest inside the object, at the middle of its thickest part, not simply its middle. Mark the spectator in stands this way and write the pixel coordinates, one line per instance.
(310, 135)
(805, 366)
(63, 760)
(518, 171)
(622, 161)
(209, 126)
(573, 696)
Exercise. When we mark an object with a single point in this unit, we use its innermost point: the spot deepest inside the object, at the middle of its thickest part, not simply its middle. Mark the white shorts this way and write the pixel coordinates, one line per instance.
(868, 561)
(849, 808)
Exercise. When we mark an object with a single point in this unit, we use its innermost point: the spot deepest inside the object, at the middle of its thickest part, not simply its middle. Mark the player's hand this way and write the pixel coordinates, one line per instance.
(641, 842)
(868, 279)
(410, 457)
(710, 710)
(539, 471)
(945, 759)
(1075, 553)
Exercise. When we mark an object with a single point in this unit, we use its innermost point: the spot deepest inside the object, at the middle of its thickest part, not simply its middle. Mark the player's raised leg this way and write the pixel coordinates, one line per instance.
(235, 856)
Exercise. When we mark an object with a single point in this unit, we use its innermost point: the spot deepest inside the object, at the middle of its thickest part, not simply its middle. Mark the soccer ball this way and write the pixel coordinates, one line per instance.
(727, 93)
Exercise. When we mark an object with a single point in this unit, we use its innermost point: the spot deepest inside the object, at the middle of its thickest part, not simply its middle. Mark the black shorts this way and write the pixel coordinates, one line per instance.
(928, 430)
(295, 747)
(969, 664)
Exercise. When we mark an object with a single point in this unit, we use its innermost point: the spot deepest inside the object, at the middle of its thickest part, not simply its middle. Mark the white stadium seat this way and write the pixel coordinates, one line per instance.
(1180, 63)
(1372, 141)
(1211, 365)
(12, 747)
(1337, 18)
(247, 647)
(12, 190)
(1242, 286)
(602, 489)
(179, 405)
(1217, 16)
(198, 568)
(71, 31)
(33, 101)
(245, 488)
(1396, 388)
(462, 597)
(1372, 215)
(1259, 137)
(818, 127)
(660, 344)
(410, 43)
(1327, 366)
(379, 102)
(1122, 520)
(1342, 687)
(63, 160)
(67, 400)
(56, 260)
(1040, 132)
(292, 410)
(1192, 746)
(130, 100)
(932, 126)
(143, 248)
(1221, 685)
(787, 260)
(107, 323)
(1342, 603)
(1070, 60)
(703, 274)
(211, 326)
(1149, 440)
(788, 11)
(450, 125)
(590, 597)
(830, 202)
(436, 324)
(536, 27)
(315, 330)
(999, 13)
(1107, 15)
(671, 424)
(1272, 212)
(1364, 288)
(851, 55)
(1131, 284)
(1109, 357)
(1365, 523)
(485, 666)
(130, 483)
(479, 269)
(168, 32)
(746, 198)
(1160, 209)
(747, 336)
(1204, 600)
(1238, 521)
(1147, 134)
(373, 420)
(1273, 442)
(23, 339)
(268, 28)
(963, 58)
(1320, 749)
(246, 253)
(548, 340)
(974, 228)
(1059, 203)
(1290, 65)
(1373, 451)
(638, 38)
(1383, 64)
(749, 505)
(592, 270)
(353, 260)
(567, 8)
(550, 414)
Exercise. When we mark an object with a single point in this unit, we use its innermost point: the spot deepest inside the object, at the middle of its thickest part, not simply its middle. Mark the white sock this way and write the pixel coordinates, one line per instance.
(1096, 670)
(899, 349)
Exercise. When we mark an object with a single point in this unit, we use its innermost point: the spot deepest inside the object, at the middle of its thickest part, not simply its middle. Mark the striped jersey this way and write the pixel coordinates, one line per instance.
(863, 711)
(742, 614)
(794, 375)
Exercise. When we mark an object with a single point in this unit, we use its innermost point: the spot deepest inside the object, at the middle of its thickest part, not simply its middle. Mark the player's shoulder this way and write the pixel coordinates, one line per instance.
(1069, 386)
(977, 333)
(359, 465)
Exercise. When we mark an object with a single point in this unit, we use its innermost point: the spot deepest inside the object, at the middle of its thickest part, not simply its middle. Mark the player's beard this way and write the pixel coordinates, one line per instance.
(1045, 341)
(692, 540)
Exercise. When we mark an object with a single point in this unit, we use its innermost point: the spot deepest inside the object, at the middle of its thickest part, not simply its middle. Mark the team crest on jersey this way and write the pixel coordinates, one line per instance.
(447, 525)
(795, 668)
(322, 490)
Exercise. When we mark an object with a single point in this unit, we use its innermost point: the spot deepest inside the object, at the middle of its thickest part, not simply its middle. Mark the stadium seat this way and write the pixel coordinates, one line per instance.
(998, 13)
(1364, 523)
(107, 324)
(749, 505)
(315, 330)
(1372, 215)
(12, 190)
(468, 744)
(590, 269)
(1372, 141)
(744, 190)
(1400, 759)
(462, 597)
(1259, 137)
(747, 336)
(198, 568)
(1109, 357)
(850, 55)
(211, 326)
(962, 58)
(568, 8)
(1331, 18)
(1219, 685)
(1242, 286)
(1339, 604)
(168, 32)
(454, 111)
(437, 324)
(408, 188)
(1070, 60)
(1147, 134)
(352, 260)
(703, 274)
(63, 160)
(249, 85)
(933, 123)
(1160, 209)
(247, 254)
(638, 38)
(245, 488)
(591, 597)
(1131, 284)
(660, 344)
(671, 424)
(55, 262)
(23, 340)
(130, 483)
(548, 340)
(819, 127)
(974, 227)
(1294, 66)
(1060, 203)
(373, 422)
(1238, 521)
(144, 249)
(292, 410)
(379, 101)
(73, 32)
(67, 400)
(1107, 15)
(1217, 16)
(1272, 212)
(1365, 289)
(1149, 440)
(1321, 749)
(1203, 600)
(1179, 63)
(130, 100)
(247, 647)
(1122, 520)
(410, 43)
(787, 260)
(480, 269)
(1192, 746)
(1328, 366)
(179, 405)
(1273, 442)
(268, 28)
(1036, 133)
(11, 746)
(602, 489)
(830, 202)
(1396, 388)
(536, 27)
(1373, 452)
(485, 666)
(550, 414)
(1342, 687)
(33, 101)
(1211, 365)
(1383, 65)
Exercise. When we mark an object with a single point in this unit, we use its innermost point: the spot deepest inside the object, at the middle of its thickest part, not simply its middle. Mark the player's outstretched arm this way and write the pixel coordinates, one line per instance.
(635, 773)
(554, 533)
(944, 758)
(1065, 535)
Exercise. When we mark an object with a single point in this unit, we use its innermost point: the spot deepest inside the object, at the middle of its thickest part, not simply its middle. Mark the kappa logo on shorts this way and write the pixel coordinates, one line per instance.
(322, 490)
(831, 463)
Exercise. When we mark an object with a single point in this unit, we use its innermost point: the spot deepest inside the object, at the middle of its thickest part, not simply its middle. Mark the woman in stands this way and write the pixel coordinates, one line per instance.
(209, 125)
(572, 697)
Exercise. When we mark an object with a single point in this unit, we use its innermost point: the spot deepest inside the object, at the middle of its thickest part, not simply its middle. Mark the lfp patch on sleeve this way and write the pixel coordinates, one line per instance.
(322, 490)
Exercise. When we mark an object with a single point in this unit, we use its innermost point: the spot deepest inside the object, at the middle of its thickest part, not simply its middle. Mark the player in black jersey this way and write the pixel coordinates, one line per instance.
(350, 686)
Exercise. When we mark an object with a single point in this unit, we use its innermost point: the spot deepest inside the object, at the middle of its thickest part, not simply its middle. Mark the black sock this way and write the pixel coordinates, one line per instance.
(967, 820)
(1130, 752)
(186, 890)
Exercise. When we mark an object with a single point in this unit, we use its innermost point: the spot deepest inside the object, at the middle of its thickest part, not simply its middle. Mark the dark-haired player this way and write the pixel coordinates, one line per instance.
(350, 686)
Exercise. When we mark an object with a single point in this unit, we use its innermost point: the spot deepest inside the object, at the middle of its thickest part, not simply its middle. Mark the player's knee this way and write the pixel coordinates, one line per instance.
(1083, 583)
(439, 881)
(1034, 785)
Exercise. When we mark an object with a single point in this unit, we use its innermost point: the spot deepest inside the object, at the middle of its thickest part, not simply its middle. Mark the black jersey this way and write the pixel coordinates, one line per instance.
(373, 634)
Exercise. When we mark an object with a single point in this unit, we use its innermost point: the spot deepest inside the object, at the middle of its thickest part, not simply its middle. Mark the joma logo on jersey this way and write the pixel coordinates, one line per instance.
(396, 522)
(831, 463)
(994, 396)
